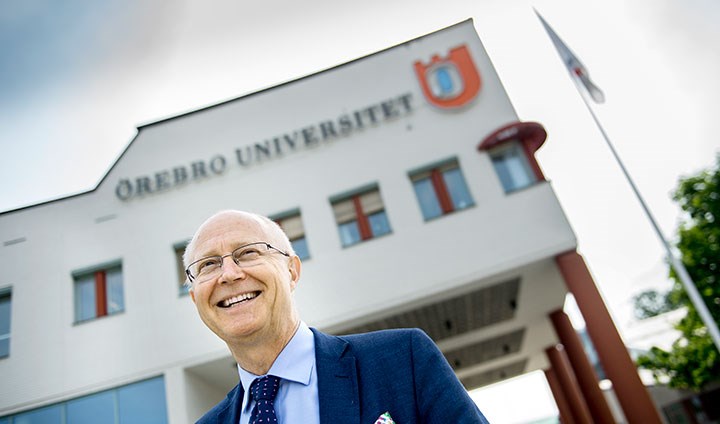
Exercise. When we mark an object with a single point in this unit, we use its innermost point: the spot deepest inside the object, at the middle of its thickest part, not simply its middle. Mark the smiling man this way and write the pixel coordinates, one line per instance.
(242, 273)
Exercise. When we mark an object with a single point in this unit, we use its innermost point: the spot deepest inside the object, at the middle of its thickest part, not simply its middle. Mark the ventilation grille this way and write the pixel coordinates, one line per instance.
(457, 315)
(494, 375)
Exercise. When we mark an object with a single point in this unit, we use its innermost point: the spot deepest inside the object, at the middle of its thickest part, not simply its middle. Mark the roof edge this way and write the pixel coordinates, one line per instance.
(221, 103)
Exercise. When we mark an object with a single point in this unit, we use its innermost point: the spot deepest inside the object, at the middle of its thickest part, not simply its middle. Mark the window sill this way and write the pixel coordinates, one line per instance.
(361, 242)
(85, 321)
(454, 212)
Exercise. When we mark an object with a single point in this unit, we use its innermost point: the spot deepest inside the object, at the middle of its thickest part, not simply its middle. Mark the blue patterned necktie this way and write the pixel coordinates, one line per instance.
(263, 391)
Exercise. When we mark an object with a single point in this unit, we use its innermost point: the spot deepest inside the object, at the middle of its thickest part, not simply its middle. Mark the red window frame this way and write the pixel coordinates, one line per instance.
(362, 219)
(441, 191)
(101, 293)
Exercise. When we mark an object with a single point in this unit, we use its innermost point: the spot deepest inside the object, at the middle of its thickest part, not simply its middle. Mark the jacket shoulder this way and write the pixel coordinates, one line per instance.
(383, 337)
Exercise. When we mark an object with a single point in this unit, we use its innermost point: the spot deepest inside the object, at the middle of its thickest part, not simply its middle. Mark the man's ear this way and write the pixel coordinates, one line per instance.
(192, 295)
(294, 267)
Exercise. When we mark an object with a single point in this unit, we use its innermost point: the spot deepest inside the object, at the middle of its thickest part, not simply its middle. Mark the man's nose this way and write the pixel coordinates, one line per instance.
(231, 271)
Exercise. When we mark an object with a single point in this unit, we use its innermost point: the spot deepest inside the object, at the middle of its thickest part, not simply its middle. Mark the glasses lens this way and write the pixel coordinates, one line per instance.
(205, 267)
(250, 254)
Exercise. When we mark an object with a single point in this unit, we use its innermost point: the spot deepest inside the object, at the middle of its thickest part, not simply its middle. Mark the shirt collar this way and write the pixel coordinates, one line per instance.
(294, 363)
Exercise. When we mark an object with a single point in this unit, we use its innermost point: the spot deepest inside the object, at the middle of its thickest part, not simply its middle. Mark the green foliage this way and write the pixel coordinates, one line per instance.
(652, 303)
(693, 362)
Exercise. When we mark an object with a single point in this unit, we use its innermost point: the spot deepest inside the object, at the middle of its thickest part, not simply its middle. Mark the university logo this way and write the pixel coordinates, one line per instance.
(450, 82)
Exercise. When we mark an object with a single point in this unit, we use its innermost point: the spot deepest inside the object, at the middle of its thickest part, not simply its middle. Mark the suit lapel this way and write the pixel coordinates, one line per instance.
(231, 413)
(337, 380)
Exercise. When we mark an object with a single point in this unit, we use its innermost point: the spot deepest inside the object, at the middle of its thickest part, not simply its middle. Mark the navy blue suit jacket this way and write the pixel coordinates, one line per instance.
(362, 376)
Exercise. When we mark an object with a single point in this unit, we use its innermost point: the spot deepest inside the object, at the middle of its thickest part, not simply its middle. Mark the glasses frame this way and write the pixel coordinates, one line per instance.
(269, 246)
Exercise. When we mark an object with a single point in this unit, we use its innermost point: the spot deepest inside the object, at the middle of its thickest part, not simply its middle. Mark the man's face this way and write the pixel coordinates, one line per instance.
(268, 312)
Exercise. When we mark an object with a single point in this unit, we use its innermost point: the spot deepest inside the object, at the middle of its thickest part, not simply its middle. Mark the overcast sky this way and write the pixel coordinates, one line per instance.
(77, 78)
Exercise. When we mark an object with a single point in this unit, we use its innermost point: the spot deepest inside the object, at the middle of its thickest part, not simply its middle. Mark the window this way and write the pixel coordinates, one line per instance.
(96, 408)
(4, 323)
(291, 224)
(98, 292)
(441, 189)
(142, 402)
(49, 414)
(511, 167)
(360, 216)
(179, 249)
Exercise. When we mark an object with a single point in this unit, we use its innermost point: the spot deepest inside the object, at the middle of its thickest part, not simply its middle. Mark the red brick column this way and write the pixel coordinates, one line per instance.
(559, 396)
(620, 369)
(561, 365)
(583, 369)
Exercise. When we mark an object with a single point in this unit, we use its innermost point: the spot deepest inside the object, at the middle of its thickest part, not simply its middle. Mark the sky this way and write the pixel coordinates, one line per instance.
(78, 77)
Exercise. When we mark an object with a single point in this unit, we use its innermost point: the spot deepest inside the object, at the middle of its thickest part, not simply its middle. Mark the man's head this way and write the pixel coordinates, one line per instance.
(244, 301)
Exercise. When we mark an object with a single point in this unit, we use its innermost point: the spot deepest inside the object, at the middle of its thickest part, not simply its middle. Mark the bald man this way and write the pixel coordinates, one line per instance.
(242, 273)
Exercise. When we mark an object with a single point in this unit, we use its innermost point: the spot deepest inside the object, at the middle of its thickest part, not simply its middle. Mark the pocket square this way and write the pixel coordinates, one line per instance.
(385, 419)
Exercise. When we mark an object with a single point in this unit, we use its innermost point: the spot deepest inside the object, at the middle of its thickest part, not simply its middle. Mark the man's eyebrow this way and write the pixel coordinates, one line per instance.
(214, 252)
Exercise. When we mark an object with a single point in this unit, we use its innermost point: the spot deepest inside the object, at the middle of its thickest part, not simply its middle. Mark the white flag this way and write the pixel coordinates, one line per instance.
(574, 66)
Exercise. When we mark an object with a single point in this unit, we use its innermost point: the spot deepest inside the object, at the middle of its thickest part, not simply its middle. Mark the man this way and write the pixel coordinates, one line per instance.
(242, 273)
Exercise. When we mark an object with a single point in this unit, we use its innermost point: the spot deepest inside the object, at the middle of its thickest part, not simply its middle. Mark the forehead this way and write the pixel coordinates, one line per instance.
(225, 232)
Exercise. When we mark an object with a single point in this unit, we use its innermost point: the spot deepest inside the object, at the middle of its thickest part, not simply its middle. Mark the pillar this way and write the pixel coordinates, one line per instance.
(634, 399)
(568, 382)
(587, 379)
(559, 396)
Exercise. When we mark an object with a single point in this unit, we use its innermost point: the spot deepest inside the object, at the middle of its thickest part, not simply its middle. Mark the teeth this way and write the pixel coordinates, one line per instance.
(235, 299)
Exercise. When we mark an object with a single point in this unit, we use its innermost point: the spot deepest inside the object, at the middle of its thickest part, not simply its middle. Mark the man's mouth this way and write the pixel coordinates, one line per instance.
(236, 300)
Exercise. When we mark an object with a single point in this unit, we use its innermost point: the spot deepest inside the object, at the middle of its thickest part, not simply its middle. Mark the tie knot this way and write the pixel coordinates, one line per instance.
(265, 388)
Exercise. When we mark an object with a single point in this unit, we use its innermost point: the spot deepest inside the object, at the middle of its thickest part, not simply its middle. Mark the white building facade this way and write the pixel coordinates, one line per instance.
(403, 179)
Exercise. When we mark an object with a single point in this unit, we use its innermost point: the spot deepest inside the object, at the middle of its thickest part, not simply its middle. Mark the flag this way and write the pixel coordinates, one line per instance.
(574, 66)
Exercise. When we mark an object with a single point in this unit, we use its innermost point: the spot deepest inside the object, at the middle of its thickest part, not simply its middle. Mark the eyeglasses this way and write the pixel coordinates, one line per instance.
(244, 256)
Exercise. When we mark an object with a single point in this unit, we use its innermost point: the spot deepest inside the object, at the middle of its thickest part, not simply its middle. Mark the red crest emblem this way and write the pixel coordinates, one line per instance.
(449, 82)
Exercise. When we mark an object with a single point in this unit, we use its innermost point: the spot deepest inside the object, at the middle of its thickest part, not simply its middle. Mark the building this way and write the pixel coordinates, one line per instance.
(403, 178)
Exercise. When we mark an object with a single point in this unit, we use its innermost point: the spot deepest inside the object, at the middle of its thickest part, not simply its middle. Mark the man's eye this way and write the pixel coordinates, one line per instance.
(209, 263)
(248, 253)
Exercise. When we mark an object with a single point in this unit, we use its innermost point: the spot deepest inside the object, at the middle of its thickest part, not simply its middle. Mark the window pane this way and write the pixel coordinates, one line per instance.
(349, 233)
(379, 224)
(301, 248)
(4, 346)
(371, 202)
(179, 251)
(85, 297)
(459, 193)
(4, 325)
(292, 226)
(97, 408)
(115, 300)
(4, 315)
(48, 415)
(143, 403)
(429, 204)
(4, 420)
(511, 169)
(344, 211)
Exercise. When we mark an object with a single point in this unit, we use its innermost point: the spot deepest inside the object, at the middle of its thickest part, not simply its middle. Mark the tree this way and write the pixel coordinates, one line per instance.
(652, 303)
(693, 361)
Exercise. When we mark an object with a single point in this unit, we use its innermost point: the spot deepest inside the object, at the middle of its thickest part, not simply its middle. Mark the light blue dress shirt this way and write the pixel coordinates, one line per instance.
(297, 399)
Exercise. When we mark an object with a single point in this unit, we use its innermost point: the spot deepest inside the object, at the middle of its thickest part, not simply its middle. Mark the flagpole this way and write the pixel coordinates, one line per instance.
(676, 263)
(579, 75)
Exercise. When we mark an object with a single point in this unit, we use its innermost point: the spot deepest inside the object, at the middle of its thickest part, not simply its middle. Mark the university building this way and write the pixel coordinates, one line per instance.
(409, 189)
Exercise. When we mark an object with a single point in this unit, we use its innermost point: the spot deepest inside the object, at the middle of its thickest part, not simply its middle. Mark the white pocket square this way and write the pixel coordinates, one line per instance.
(385, 419)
